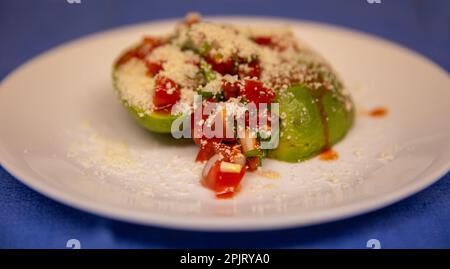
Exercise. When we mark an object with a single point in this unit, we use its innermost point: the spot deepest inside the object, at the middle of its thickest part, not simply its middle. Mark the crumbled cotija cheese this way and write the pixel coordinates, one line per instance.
(136, 88)
(213, 86)
(178, 65)
(226, 40)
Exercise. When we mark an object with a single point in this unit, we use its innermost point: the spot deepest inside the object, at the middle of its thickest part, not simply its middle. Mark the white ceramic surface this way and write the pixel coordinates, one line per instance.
(64, 134)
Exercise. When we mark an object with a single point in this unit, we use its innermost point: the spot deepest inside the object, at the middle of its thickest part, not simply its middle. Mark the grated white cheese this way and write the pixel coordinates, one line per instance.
(178, 65)
(225, 40)
(135, 86)
(214, 86)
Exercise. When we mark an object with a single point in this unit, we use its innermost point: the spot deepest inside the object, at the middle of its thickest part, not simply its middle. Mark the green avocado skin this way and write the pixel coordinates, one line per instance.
(155, 122)
(340, 120)
(302, 133)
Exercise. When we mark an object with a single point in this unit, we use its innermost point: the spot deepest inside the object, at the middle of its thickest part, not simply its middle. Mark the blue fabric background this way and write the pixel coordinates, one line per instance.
(30, 220)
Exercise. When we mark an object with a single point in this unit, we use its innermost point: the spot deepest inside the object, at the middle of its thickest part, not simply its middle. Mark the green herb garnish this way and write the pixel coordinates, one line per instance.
(253, 153)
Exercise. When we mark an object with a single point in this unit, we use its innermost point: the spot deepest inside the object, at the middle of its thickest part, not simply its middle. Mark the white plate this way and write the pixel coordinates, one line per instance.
(64, 133)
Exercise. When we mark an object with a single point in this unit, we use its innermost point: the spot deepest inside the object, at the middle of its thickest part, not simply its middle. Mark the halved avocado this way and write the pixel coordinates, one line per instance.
(309, 124)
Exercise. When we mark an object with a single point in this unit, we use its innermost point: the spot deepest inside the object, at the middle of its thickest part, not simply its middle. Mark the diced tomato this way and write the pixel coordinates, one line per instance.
(197, 140)
(207, 150)
(153, 68)
(255, 69)
(142, 50)
(255, 92)
(213, 146)
(263, 120)
(227, 151)
(167, 93)
(211, 178)
(248, 68)
(230, 66)
(231, 90)
(263, 40)
(224, 184)
(204, 154)
(266, 118)
(209, 147)
(269, 42)
(228, 183)
(253, 163)
(246, 116)
(199, 125)
(219, 117)
(222, 66)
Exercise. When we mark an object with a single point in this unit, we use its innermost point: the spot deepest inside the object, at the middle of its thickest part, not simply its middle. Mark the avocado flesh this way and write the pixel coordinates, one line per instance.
(303, 132)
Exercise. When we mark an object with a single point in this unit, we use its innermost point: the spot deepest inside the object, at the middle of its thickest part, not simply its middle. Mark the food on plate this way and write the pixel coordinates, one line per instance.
(289, 93)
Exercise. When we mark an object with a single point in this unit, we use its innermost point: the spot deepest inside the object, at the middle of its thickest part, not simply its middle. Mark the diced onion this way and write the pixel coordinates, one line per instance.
(209, 164)
(227, 167)
(239, 159)
(248, 143)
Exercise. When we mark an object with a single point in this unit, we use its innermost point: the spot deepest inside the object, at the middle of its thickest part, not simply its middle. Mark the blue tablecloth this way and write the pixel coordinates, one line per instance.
(30, 220)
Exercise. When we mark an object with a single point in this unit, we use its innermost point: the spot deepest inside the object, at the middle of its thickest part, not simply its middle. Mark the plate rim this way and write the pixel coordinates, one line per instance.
(201, 223)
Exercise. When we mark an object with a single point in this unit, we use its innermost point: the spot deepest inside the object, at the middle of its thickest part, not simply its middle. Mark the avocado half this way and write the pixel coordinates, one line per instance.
(311, 120)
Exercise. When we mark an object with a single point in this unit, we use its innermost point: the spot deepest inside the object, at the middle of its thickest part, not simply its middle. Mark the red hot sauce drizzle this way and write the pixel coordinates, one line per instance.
(378, 112)
(317, 95)
(329, 155)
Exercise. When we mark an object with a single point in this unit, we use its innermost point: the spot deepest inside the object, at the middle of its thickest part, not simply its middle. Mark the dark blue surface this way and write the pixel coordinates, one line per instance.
(30, 220)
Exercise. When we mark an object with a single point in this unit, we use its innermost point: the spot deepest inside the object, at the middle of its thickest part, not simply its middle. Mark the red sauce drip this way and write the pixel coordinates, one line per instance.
(317, 95)
(378, 112)
(329, 155)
